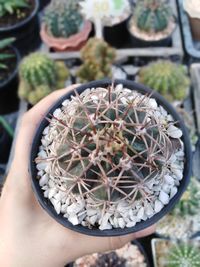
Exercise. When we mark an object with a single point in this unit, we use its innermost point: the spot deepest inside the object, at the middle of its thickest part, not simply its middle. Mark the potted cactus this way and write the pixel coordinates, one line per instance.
(152, 23)
(168, 253)
(132, 254)
(9, 59)
(19, 19)
(192, 7)
(97, 57)
(100, 161)
(39, 75)
(63, 27)
(169, 79)
(184, 220)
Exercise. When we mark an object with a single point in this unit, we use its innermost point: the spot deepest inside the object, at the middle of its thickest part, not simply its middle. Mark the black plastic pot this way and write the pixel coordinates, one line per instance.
(117, 35)
(5, 145)
(26, 32)
(8, 90)
(48, 207)
(43, 3)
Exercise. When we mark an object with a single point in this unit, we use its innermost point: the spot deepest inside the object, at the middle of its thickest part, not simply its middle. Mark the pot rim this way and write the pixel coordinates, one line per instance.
(23, 22)
(15, 72)
(45, 203)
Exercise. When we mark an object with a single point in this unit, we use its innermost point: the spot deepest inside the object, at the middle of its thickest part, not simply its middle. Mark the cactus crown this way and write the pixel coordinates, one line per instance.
(183, 255)
(189, 204)
(168, 78)
(97, 58)
(63, 18)
(39, 75)
(108, 144)
(152, 15)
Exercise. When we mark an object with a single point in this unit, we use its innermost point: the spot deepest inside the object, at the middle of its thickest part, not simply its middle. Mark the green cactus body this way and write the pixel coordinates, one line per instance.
(190, 201)
(183, 255)
(63, 18)
(40, 75)
(152, 16)
(169, 79)
(97, 58)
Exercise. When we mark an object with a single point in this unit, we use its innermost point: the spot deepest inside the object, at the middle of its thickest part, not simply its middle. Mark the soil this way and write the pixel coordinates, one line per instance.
(12, 19)
(11, 63)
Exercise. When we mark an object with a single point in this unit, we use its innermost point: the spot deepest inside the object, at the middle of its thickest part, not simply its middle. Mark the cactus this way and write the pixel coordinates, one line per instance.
(168, 78)
(40, 75)
(12, 7)
(63, 18)
(108, 145)
(5, 43)
(189, 204)
(183, 255)
(152, 15)
(97, 57)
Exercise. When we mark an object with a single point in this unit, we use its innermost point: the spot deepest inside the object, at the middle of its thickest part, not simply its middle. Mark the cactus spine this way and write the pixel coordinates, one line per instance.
(169, 79)
(63, 18)
(152, 15)
(97, 58)
(40, 75)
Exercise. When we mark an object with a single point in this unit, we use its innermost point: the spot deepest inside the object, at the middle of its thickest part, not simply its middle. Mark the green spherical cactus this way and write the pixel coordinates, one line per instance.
(169, 79)
(97, 58)
(152, 15)
(39, 75)
(183, 255)
(63, 18)
(189, 204)
(38, 69)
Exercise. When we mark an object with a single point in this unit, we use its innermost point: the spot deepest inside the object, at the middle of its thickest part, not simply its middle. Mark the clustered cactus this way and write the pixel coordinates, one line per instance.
(189, 204)
(39, 76)
(152, 15)
(13, 7)
(5, 43)
(183, 255)
(97, 57)
(169, 79)
(107, 148)
(63, 18)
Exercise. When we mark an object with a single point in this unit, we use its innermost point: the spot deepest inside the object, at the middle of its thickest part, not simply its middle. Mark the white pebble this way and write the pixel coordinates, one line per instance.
(173, 192)
(73, 219)
(130, 224)
(149, 210)
(168, 179)
(140, 213)
(174, 132)
(158, 206)
(44, 179)
(121, 223)
(164, 197)
(41, 166)
(52, 192)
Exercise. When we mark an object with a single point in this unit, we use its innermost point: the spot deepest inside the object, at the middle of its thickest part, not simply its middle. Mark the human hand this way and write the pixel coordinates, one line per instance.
(28, 235)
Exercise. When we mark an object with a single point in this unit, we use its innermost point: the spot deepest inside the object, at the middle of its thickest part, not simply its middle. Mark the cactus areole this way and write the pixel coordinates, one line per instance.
(110, 158)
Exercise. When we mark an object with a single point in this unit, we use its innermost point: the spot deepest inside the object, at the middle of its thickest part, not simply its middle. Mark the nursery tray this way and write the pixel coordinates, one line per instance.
(190, 47)
(176, 49)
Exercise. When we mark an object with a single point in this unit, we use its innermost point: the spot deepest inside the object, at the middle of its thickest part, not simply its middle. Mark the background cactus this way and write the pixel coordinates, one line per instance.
(63, 18)
(152, 15)
(40, 75)
(97, 57)
(169, 79)
(181, 255)
(189, 204)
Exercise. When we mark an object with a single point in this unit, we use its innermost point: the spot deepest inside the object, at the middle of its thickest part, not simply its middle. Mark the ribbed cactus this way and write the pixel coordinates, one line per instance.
(183, 255)
(40, 75)
(189, 204)
(169, 79)
(108, 145)
(97, 57)
(152, 15)
(63, 18)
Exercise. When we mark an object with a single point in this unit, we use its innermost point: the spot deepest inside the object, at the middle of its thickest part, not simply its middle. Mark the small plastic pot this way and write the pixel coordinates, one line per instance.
(26, 32)
(8, 90)
(46, 204)
(117, 35)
